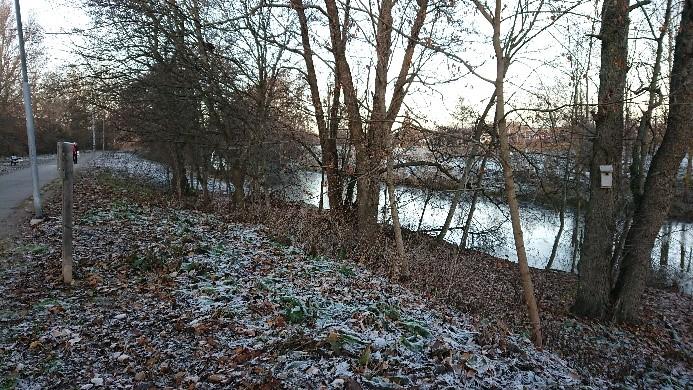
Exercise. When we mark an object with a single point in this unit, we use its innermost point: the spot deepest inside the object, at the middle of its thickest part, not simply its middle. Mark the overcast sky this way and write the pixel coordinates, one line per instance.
(57, 18)
(60, 17)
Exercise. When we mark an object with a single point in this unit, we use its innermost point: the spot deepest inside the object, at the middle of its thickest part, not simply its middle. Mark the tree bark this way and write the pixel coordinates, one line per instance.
(664, 248)
(637, 174)
(659, 184)
(399, 265)
(328, 143)
(525, 277)
(67, 174)
(468, 162)
(592, 297)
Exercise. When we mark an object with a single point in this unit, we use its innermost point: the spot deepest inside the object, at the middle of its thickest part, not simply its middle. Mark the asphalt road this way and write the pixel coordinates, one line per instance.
(15, 187)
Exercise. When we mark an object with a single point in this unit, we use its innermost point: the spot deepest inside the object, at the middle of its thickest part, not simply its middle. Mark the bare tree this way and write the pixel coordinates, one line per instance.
(637, 174)
(654, 205)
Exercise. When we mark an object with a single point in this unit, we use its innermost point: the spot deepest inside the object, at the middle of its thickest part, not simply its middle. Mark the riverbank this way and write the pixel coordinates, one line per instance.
(170, 295)
(178, 294)
(487, 288)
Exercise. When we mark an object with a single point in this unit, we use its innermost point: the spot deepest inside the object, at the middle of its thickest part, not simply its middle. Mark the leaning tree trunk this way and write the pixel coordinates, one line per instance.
(659, 188)
(399, 264)
(472, 204)
(468, 163)
(561, 226)
(637, 167)
(525, 277)
(592, 297)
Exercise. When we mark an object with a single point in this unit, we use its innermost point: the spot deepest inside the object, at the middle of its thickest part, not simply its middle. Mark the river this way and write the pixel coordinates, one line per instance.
(493, 232)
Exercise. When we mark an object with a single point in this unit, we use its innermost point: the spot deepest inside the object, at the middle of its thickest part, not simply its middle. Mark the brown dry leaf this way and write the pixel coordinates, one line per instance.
(94, 280)
(277, 321)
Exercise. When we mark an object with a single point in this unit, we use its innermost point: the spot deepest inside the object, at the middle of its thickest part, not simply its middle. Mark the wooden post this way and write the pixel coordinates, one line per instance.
(66, 165)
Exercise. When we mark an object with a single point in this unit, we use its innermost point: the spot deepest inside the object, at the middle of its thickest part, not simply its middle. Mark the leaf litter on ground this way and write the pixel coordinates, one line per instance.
(167, 297)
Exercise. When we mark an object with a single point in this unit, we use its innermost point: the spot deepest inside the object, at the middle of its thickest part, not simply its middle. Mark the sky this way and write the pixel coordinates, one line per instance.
(57, 18)
(541, 66)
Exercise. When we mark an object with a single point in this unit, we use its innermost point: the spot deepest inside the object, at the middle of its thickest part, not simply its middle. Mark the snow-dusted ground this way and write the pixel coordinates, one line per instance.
(342, 323)
(167, 297)
(131, 164)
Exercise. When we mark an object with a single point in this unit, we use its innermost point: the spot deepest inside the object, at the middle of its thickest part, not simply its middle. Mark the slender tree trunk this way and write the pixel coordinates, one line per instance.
(666, 245)
(664, 249)
(525, 277)
(688, 178)
(637, 174)
(423, 210)
(652, 210)
(399, 265)
(322, 185)
(561, 213)
(468, 163)
(472, 205)
(335, 186)
(328, 141)
(238, 181)
(682, 243)
(561, 225)
(592, 298)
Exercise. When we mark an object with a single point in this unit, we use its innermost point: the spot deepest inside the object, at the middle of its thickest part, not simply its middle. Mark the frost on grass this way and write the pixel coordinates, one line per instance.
(167, 297)
(238, 309)
(133, 165)
(331, 323)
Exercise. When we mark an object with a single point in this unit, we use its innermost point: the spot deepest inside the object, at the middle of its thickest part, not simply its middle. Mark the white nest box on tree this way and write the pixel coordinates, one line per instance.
(607, 175)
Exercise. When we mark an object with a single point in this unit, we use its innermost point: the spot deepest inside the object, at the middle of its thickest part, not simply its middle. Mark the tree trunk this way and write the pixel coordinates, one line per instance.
(575, 239)
(322, 185)
(328, 141)
(561, 213)
(468, 163)
(601, 219)
(688, 178)
(472, 205)
(683, 247)
(557, 239)
(370, 151)
(637, 174)
(423, 211)
(664, 248)
(399, 265)
(238, 181)
(659, 184)
(525, 277)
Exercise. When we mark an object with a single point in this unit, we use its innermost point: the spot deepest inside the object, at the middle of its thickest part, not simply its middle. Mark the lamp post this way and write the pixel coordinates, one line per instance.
(28, 111)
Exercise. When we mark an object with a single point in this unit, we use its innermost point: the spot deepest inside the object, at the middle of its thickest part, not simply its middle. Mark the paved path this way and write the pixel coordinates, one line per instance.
(15, 187)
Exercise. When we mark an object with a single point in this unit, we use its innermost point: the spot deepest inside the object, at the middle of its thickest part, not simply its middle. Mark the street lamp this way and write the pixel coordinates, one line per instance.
(28, 111)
